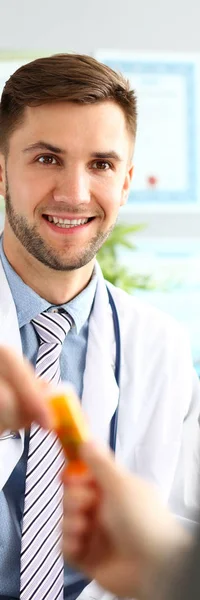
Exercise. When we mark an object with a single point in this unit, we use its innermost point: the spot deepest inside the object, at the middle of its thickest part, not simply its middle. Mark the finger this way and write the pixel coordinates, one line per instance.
(73, 549)
(12, 414)
(79, 498)
(77, 534)
(28, 390)
(102, 465)
(71, 479)
(77, 526)
(9, 417)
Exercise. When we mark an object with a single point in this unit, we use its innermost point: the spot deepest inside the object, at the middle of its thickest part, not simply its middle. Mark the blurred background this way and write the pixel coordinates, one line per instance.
(154, 251)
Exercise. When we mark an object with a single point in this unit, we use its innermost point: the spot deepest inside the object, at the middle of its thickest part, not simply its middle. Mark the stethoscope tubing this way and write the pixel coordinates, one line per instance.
(114, 420)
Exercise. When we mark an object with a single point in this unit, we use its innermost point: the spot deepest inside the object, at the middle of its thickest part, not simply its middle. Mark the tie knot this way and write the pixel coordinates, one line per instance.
(52, 327)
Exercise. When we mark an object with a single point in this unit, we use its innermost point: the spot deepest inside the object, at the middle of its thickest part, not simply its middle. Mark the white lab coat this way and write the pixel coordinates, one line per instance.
(158, 431)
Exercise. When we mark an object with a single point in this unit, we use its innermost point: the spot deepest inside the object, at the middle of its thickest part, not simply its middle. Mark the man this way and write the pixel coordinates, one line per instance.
(67, 136)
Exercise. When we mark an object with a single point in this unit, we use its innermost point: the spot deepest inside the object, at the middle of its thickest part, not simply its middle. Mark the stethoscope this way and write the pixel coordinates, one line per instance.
(12, 435)
(113, 426)
(114, 420)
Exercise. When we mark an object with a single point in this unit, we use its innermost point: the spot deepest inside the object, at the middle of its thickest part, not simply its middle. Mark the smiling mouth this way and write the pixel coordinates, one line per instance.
(67, 223)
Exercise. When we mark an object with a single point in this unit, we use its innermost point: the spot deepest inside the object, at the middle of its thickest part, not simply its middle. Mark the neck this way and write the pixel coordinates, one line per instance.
(57, 287)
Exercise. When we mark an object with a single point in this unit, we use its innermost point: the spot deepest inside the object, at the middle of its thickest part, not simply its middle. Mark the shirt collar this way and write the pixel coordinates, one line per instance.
(29, 304)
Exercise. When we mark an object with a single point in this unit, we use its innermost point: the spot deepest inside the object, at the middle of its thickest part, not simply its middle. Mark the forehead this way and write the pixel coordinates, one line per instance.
(101, 123)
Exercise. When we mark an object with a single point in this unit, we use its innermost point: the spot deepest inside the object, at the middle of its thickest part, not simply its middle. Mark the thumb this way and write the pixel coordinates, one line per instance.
(101, 462)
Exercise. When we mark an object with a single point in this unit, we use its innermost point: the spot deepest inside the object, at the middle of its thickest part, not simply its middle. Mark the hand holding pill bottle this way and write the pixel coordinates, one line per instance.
(69, 425)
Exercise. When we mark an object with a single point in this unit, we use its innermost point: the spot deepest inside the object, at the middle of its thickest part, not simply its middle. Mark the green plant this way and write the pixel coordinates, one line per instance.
(112, 267)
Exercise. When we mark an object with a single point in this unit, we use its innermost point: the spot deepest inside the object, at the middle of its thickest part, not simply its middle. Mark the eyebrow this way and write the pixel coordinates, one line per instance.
(44, 146)
(41, 145)
(106, 155)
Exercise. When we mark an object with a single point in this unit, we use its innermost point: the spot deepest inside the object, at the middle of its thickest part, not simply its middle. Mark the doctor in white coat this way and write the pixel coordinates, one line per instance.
(65, 170)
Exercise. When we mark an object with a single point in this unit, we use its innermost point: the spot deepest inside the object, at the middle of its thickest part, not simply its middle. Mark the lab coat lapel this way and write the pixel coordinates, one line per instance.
(11, 449)
(100, 390)
(9, 329)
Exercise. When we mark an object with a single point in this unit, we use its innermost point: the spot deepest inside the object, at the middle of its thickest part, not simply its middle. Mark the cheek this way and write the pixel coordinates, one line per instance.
(25, 192)
(108, 193)
(21, 196)
(29, 178)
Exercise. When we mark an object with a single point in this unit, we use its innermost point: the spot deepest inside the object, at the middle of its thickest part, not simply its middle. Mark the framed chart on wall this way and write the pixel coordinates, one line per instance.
(167, 144)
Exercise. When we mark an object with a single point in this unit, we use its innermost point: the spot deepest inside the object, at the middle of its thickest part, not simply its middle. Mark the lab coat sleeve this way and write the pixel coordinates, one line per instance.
(184, 496)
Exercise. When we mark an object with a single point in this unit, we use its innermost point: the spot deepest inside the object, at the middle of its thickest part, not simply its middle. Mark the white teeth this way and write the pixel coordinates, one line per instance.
(66, 222)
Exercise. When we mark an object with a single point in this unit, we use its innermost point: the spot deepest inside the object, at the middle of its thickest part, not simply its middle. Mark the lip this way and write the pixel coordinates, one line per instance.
(66, 230)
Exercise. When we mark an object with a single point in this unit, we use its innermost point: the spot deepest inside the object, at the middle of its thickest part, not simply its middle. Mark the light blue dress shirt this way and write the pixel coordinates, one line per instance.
(29, 305)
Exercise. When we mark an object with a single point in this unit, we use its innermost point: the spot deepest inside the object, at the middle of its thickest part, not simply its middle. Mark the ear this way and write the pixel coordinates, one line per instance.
(127, 185)
(2, 175)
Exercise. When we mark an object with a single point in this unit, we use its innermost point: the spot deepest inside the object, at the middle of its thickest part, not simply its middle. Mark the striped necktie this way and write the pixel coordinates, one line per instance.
(41, 575)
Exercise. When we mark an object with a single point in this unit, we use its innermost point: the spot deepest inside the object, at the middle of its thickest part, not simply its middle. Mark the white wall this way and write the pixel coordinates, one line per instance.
(84, 25)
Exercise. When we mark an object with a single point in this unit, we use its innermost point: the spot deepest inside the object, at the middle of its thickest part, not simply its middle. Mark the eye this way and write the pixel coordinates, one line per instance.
(101, 165)
(47, 159)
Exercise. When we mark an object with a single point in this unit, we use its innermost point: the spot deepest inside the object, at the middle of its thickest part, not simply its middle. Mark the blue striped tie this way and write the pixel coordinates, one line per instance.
(41, 576)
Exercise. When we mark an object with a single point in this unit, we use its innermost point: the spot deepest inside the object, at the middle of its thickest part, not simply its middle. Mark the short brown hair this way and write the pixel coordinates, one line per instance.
(63, 77)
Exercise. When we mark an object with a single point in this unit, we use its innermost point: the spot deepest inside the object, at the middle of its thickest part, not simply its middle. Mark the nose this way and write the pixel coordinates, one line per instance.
(73, 187)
